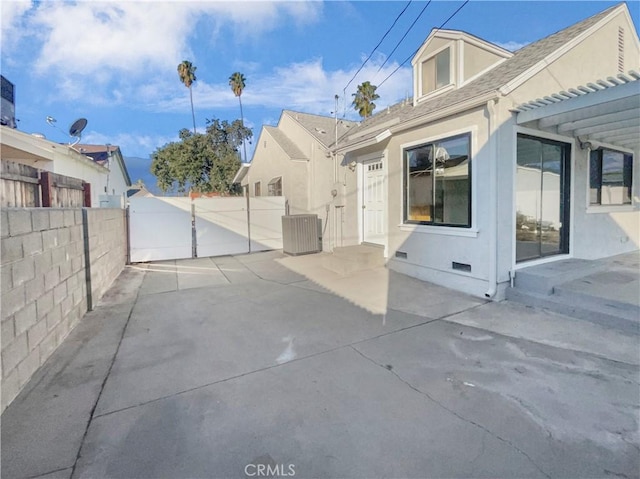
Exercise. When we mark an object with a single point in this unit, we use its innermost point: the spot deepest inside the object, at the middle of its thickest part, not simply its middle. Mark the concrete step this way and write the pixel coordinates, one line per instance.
(621, 300)
(577, 305)
(350, 259)
(545, 277)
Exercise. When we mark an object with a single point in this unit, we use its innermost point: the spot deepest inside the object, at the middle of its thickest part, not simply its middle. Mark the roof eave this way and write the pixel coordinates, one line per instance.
(423, 119)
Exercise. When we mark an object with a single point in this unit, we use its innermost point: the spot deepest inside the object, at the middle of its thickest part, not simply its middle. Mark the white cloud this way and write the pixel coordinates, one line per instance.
(304, 86)
(89, 38)
(511, 45)
(133, 37)
(131, 144)
(10, 20)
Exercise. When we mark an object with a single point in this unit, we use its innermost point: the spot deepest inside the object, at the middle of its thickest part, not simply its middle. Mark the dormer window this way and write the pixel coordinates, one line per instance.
(436, 71)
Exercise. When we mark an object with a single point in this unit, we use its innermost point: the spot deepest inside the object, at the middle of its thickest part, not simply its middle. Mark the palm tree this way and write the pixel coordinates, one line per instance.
(187, 73)
(364, 97)
(237, 84)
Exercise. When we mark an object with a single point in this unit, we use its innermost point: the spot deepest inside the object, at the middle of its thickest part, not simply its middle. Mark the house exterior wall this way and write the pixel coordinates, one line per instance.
(431, 250)
(476, 60)
(270, 161)
(44, 284)
(117, 182)
(307, 184)
(601, 231)
(69, 165)
(577, 66)
(348, 207)
(596, 232)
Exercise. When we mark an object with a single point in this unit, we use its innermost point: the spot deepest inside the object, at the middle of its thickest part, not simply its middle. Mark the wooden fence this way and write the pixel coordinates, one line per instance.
(25, 186)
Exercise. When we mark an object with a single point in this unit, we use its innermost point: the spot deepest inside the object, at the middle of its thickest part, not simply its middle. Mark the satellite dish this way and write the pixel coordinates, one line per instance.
(77, 127)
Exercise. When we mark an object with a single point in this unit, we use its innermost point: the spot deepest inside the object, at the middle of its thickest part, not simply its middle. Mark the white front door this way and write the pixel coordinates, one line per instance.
(373, 202)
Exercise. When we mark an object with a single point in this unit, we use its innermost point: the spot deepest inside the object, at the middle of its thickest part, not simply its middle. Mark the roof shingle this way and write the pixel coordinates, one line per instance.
(522, 60)
(288, 146)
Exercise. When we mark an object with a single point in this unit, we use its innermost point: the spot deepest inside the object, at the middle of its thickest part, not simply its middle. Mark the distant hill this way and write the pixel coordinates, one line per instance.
(139, 170)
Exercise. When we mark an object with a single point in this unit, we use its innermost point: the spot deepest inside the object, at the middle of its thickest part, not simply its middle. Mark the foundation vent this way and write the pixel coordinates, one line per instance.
(401, 254)
(461, 266)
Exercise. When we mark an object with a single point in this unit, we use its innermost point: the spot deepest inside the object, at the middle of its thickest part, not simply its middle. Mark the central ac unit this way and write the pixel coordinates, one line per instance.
(301, 234)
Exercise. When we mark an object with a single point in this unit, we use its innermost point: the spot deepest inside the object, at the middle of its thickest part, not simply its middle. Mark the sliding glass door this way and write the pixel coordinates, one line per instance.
(542, 198)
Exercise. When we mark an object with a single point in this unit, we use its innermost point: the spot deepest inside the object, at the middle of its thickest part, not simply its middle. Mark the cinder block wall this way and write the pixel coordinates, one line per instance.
(107, 246)
(43, 281)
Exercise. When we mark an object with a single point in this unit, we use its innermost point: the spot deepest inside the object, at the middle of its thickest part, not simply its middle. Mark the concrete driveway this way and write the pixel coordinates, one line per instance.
(265, 366)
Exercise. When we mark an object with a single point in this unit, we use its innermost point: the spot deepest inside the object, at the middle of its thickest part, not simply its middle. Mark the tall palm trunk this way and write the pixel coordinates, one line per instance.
(244, 144)
(193, 114)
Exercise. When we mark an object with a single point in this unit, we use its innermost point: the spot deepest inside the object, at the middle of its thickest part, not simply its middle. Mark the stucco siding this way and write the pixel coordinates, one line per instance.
(476, 60)
(577, 66)
(270, 161)
(431, 250)
(595, 232)
(600, 232)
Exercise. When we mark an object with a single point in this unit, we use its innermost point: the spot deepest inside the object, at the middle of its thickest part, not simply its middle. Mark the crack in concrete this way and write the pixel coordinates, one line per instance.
(49, 472)
(259, 370)
(451, 411)
(104, 382)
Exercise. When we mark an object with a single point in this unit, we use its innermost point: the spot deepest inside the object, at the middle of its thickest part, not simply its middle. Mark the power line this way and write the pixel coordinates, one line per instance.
(403, 37)
(416, 51)
(376, 47)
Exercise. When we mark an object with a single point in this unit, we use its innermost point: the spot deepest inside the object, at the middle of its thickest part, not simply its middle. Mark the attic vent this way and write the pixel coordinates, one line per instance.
(620, 50)
(320, 130)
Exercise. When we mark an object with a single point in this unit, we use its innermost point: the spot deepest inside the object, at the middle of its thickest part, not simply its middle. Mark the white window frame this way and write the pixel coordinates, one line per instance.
(452, 81)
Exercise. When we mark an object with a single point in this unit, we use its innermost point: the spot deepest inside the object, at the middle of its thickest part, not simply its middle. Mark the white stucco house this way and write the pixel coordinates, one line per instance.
(108, 177)
(502, 160)
(117, 181)
(294, 160)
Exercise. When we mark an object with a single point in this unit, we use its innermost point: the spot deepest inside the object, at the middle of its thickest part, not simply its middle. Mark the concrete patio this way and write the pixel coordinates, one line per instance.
(220, 367)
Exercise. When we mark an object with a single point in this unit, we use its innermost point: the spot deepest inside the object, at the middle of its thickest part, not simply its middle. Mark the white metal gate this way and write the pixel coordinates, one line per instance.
(163, 228)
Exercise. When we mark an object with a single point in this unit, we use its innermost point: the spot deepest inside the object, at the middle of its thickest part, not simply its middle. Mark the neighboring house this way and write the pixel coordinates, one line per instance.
(118, 181)
(38, 152)
(139, 192)
(503, 160)
(293, 160)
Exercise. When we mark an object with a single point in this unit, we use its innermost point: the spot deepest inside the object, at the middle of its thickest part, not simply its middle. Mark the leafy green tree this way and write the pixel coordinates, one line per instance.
(201, 162)
(237, 82)
(187, 74)
(364, 98)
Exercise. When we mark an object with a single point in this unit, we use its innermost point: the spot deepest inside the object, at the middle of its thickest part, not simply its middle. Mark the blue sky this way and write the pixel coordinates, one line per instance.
(114, 62)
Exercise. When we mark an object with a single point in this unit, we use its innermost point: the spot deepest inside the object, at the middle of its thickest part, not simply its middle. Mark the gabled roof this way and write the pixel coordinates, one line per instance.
(288, 146)
(322, 128)
(100, 154)
(241, 173)
(469, 38)
(507, 73)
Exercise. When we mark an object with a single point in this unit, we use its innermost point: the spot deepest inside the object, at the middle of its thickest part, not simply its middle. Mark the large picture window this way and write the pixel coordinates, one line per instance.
(438, 182)
(610, 174)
